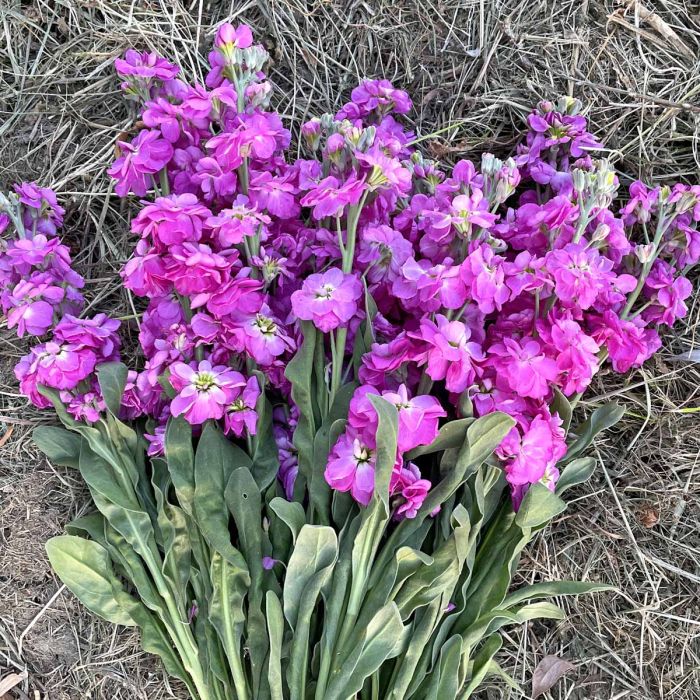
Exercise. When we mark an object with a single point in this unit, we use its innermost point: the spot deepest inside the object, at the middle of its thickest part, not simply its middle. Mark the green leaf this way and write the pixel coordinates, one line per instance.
(215, 460)
(387, 432)
(309, 570)
(61, 446)
(549, 589)
(445, 677)
(562, 407)
(601, 419)
(275, 630)
(381, 640)
(112, 379)
(265, 455)
(226, 614)
(86, 569)
(539, 506)
(576, 472)
(451, 435)
(316, 549)
(482, 662)
(299, 372)
(291, 513)
(179, 455)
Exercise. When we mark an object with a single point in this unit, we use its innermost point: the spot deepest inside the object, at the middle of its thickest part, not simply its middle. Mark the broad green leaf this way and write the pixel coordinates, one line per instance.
(226, 614)
(539, 506)
(112, 379)
(561, 406)
(291, 513)
(601, 419)
(245, 505)
(482, 663)
(265, 455)
(309, 570)
(215, 460)
(299, 372)
(275, 630)
(61, 446)
(380, 641)
(86, 569)
(445, 677)
(575, 472)
(316, 549)
(451, 435)
(549, 589)
(387, 432)
(210, 648)
(179, 455)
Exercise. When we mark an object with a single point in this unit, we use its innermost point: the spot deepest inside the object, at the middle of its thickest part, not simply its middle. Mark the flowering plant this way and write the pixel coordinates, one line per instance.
(352, 404)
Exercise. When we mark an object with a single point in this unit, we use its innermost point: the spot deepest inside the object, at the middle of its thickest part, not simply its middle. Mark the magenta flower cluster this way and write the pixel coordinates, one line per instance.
(483, 288)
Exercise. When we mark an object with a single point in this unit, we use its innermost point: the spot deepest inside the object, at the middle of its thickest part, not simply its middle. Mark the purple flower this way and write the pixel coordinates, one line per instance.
(450, 355)
(378, 96)
(418, 418)
(328, 299)
(240, 413)
(229, 38)
(523, 367)
(172, 220)
(42, 212)
(382, 252)
(98, 333)
(351, 468)
(145, 65)
(61, 366)
(471, 210)
(232, 225)
(409, 490)
(263, 338)
(628, 342)
(193, 268)
(577, 359)
(204, 391)
(483, 273)
(142, 158)
(87, 407)
(330, 196)
(276, 194)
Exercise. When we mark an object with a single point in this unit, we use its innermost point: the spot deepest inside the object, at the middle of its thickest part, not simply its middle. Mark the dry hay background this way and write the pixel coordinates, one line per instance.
(474, 68)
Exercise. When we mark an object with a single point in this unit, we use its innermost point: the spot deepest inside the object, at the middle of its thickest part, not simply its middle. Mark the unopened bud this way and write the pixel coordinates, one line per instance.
(644, 252)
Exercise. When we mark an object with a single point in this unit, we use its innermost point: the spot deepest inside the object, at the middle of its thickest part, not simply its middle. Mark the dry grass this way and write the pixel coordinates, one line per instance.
(474, 68)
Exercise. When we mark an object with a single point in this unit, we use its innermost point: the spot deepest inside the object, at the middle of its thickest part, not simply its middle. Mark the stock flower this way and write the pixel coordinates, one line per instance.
(42, 213)
(203, 391)
(577, 358)
(88, 406)
(450, 354)
(232, 225)
(276, 194)
(328, 299)
(330, 196)
(471, 210)
(141, 160)
(98, 333)
(418, 418)
(145, 64)
(240, 413)
(61, 366)
(375, 95)
(264, 339)
(484, 275)
(382, 252)
(523, 367)
(172, 220)
(628, 342)
(351, 468)
(194, 268)
(409, 490)
(530, 454)
(31, 306)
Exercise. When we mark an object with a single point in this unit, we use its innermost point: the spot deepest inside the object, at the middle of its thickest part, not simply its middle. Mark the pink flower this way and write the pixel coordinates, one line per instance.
(577, 360)
(531, 456)
(204, 392)
(232, 225)
(375, 96)
(629, 343)
(193, 268)
(382, 252)
(240, 413)
(450, 355)
(484, 275)
(580, 274)
(172, 220)
(409, 491)
(328, 299)
(351, 468)
(144, 65)
(87, 407)
(418, 418)
(61, 366)
(523, 367)
(98, 333)
(330, 196)
(147, 154)
(276, 194)
(471, 210)
(229, 38)
(264, 339)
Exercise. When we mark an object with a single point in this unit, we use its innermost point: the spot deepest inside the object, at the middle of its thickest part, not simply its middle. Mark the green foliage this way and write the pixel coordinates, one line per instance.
(355, 605)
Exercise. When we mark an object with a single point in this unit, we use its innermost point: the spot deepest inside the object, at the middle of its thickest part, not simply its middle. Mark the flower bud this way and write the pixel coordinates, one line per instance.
(645, 252)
